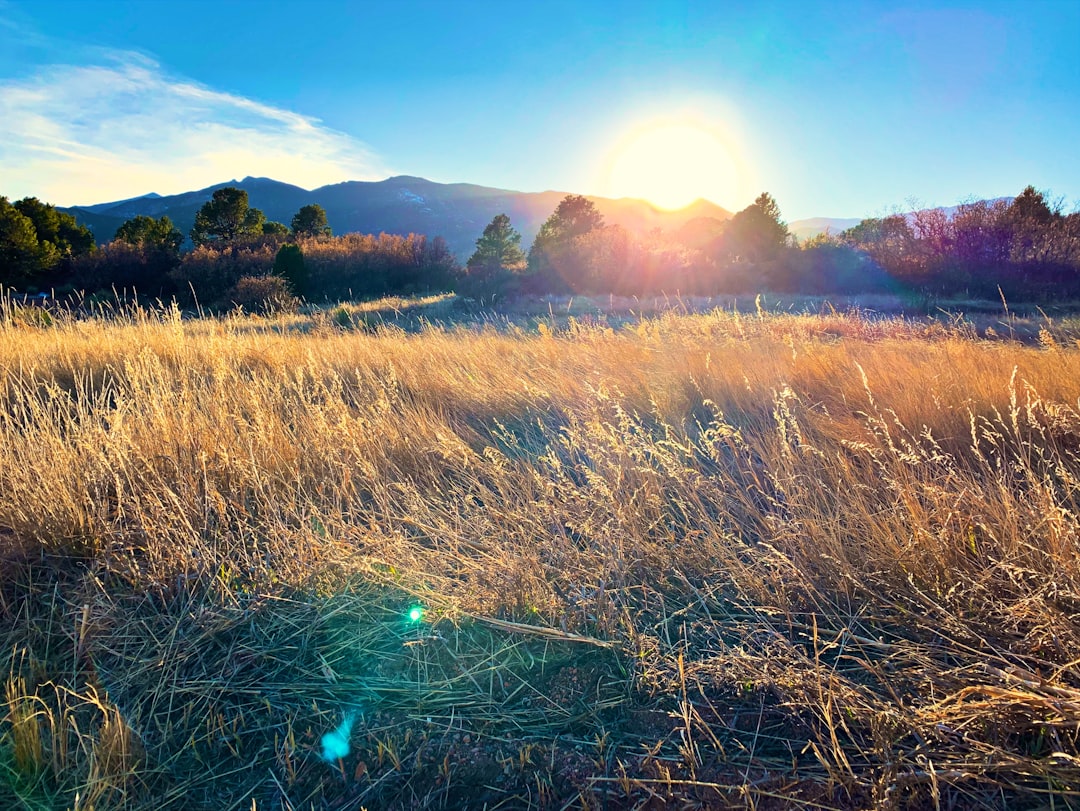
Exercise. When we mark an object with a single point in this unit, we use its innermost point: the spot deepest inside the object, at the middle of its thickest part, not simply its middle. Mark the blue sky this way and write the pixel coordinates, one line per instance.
(836, 109)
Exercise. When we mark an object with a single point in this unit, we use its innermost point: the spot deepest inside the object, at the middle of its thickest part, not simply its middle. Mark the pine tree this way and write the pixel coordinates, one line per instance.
(498, 249)
(225, 217)
(289, 265)
(574, 217)
(310, 221)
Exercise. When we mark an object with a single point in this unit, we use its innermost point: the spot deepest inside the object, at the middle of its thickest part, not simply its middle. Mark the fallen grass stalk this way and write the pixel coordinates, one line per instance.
(540, 631)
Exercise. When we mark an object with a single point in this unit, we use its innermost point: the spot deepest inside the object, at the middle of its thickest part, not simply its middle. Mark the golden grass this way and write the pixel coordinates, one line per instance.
(824, 560)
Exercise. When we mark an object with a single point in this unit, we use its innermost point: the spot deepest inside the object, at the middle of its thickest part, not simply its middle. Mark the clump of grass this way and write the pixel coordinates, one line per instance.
(27, 749)
(62, 744)
(718, 557)
(342, 318)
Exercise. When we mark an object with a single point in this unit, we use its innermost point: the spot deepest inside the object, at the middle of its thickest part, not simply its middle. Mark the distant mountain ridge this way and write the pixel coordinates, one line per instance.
(458, 212)
(804, 229)
(102, 208)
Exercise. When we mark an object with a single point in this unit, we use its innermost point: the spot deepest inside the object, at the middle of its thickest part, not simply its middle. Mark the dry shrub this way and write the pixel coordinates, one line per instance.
(263, 294)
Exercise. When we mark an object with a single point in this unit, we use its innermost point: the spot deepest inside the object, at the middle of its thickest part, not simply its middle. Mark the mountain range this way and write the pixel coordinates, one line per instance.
(457, 212)
(399, 205)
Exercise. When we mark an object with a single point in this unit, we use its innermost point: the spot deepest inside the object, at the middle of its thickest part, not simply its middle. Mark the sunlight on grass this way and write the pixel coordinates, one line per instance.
(573, 555)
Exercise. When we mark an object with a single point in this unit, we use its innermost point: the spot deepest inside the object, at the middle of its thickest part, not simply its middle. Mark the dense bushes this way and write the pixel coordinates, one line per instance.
(290, 266)
(1024, 249)
(263, 294)
(319, 268)
(125, 267)
(362, 265)
(210, 271)
(238, 257)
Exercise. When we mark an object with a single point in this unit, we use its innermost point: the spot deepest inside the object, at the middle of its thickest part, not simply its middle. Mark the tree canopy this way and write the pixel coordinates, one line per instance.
(756, 233)
(225, 217)
(498, 248)
(310, 221)
(57, 228)
(146, 232)
(888, 241)
(21, 254)
(289, 265)
(35, 238)
(574, 217)
(1031, 207)
(272, 228)
(494, 268)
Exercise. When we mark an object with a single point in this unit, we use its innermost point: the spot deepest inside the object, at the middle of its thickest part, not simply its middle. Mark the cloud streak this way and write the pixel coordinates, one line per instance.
(88, 133)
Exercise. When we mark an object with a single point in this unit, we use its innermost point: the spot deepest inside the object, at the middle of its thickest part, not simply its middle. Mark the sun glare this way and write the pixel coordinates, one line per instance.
(671, 166)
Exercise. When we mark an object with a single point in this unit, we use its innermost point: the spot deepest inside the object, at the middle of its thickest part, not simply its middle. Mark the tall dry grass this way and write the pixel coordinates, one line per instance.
(783, 560)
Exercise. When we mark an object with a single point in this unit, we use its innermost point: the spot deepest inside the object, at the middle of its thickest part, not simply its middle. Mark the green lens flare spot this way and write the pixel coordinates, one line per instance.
(416, 613)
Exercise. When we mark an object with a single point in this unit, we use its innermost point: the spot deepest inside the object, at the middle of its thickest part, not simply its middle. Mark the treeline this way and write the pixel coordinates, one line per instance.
(327, 267)
(238, 257)
(576, 252)
(1025, 249)
(39, 244)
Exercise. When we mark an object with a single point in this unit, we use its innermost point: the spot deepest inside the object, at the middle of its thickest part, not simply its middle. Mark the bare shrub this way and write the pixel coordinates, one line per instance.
(263, 294)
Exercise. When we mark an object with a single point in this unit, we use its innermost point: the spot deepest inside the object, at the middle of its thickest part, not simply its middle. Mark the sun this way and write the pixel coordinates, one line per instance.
(672, 165)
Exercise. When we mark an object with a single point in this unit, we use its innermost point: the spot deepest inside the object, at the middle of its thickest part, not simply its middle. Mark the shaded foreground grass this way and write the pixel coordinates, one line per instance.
(701, 560)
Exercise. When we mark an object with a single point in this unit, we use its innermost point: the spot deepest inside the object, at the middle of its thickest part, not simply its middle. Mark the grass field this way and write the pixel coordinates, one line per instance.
(674, 560)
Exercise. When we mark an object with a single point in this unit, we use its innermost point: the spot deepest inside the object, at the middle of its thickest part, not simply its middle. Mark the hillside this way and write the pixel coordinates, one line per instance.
(398, 205)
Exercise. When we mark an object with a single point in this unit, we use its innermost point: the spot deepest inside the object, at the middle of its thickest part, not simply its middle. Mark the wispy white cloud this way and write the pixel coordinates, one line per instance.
(123, 127)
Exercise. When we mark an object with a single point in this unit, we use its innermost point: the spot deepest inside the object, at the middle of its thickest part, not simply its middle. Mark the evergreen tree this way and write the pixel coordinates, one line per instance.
(36, 241)
(21, 255)
(275, 229)
(756, 233)
(497, 249)
(289, 265)
(46, 219)
(57, 228)
(498, 259)
(310, 221)
(141, 257)
(574, 217)
(146, 232)
(1030, 207)
(225, 217)
(1031, 222)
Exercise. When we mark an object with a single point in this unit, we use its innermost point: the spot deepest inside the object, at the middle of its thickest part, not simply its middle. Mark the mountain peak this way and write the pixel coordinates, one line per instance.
(250, 181)
(399, 179)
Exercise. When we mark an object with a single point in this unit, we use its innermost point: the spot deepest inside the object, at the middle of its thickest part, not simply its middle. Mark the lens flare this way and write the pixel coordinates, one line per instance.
(335, 744)
(416, 613)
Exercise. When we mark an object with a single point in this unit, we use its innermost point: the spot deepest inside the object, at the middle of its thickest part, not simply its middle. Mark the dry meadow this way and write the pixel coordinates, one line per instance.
(670, 561)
